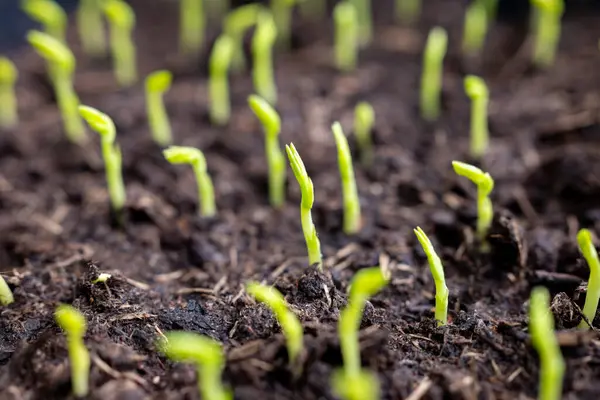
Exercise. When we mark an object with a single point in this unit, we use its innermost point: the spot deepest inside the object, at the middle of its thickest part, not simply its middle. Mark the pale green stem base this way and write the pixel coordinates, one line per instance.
(431, 88)
(68, 103)
(124, 59)
(206, 193)
(114, 175)
(592, 298)
(91, 29)
(276, 163)
(546, 40)
(310, 236)
(441, 305)
(220, 106)
(346, 51)
(80, 367)
(263, 76)
(159, 120)
(479, 128)
(8, 108)
(192, 26)
(552, 370)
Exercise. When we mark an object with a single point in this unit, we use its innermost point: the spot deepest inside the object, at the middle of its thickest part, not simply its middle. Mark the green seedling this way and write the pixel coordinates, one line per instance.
(217, 9)
(362, 386)
(236, 23)
(194, 157)
(291, 326)
(475, 28)
(262, 49)
(157, 83)
(543, 338)
(485, 184)
(61, 67)
(6, 296)
(218, 84)
(364, 119)
(192, 24)
(122, 22)
(346, 36)
(72, 322)
(308, 198)
(433, 68)
(586, 246)
(364, 16)
(491, 7)
(111, 153)
(91, 27)
(102, 278)
(437, 271)
(477, 91)
(546, 30)
(206, 354)
(271, 123)
(313, 9)
(408, 11)
(8, 98)
(48, 13)
(352, 217)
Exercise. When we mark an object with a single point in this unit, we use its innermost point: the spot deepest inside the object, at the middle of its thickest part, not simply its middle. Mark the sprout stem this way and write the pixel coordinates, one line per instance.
(91, 27)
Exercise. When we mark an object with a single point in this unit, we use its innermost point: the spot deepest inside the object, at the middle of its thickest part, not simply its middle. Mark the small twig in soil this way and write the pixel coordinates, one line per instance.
(421, 389)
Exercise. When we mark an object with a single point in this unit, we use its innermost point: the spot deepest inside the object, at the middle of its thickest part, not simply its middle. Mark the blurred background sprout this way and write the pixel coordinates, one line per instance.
(91, 27)
(122, 22)
(157, 83)
(50, 15)
(8, 99)
(73, 323)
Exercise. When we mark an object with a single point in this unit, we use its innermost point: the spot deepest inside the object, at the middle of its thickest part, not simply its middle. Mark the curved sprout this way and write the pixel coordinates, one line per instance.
(73, 323)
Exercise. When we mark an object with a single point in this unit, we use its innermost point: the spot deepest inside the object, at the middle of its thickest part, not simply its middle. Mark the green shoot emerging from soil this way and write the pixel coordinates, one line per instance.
(72, 322)
(61, 66)
(8, 99)
(364, 119)
(543, 338)
(206, 354)
(586, 246)
(546, 26)
(352, 218)
(192, 23)
(271, 123)
(485, 184)
(437, 270)
(364, 16)
(431, 78)
(91, 27)
(287, 319)
(282, 15)
(313, 9)
(408, 11)
(363, 386)
(122, 21)
(346, 36)
(262, 49)
(308, 198)
(157, 83)
(475, 28)
(478, 92)
(48, 13)
(194, 157)
(111, 153)
(6, 296)
(235, 25)
(218, 84)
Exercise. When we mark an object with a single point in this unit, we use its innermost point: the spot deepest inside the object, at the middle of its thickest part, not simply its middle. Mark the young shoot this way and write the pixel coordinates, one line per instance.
(491, 7)
(61, 67)
(8, 98)
(308, 198)
(477, 91)
(543, 338)
(206, 354)
(475, 28)
(192, 23)
(72, 322)
(157, 83)
(352, 217)
(586, 246)
(364, 119)
(271, 123)
(313, 9)
(6, 296)
(291, 326)
(122, 21)
(262, 49)
(282, 11)
(408, 11)
(194, 157)
(218, 84)
(236, 23)
(364, 15)
(50, 15)
(216, 9)
(437, 271)
(111, 153)
(363, 386)
(546, 30)
(485, 184)
(346, 36)
(91, 27)
(433, 68)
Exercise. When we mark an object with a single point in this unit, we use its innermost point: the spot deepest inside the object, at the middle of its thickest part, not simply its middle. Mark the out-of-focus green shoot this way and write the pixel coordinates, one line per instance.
(6, 296)
(217, 9)
(352, 216)
(195, 158)
(218, 84)
(313, 9)
(546, 30)
(102, 278)
(61, 67)
(477, 91)
(282, 11)
(543, 338)
(364, 120)
(262, 49)
(8, 99)
(408, 11)
(364, 16)
(308, 198)
(235, 25)
(475, 28)
(157, 83)
(291, 326)
(437, 271)
(433, 69)
(111, 153)
(72, 322)
(586, 246)
(271, 123)
(48, 13)
(122, 22)
(205, 353)
(364, 385)
(491, 6)
(346, 36)
(485, 184)
(191, 27)
(91, 27)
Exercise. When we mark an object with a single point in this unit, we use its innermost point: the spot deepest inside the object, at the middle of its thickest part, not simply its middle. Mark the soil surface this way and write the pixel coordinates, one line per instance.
(173, 270)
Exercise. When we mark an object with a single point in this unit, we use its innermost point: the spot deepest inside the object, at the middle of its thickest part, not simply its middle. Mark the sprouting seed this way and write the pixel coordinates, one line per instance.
(72, 322)
(313, 9)
(431, 78)
(6, 296)
(475, 28)
(364, 15)
(192, 24)
(218, 83)
(546, 29)
(91, 27)
(48, 13)
(346, 36)
(122, 22)
(8, 99)
(586, 246)
(477, 91)
(102, 278)
(408, 11)
(262, 49)
(352, 215)
(236, 23)
(364, 120)
(157, 83)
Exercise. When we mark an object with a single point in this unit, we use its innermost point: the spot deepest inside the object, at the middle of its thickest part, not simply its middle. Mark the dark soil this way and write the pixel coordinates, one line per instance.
(172, 270)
